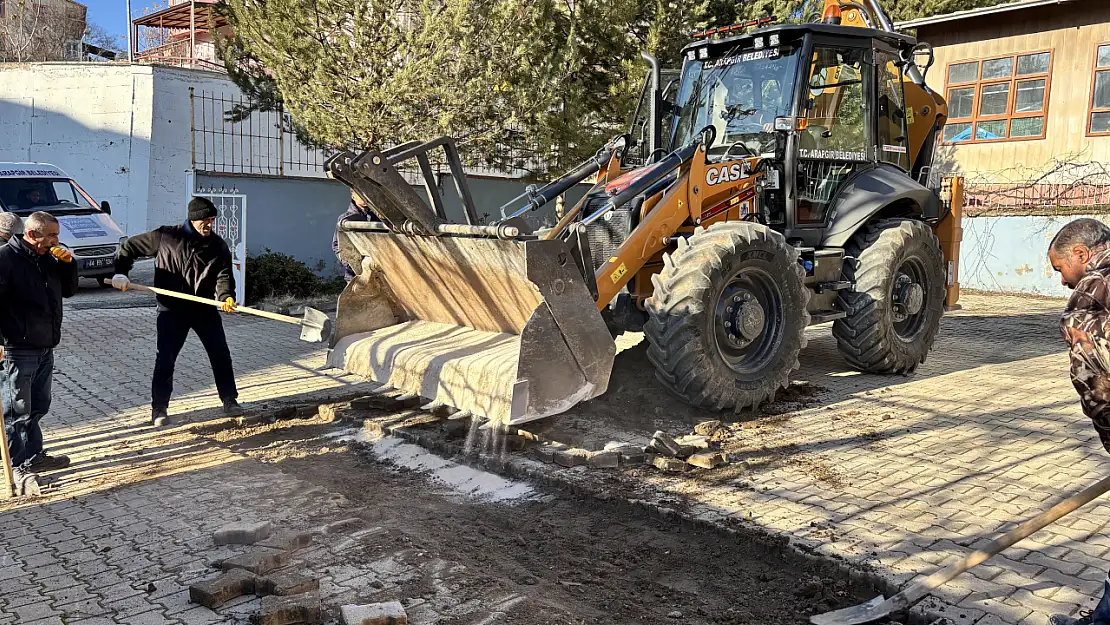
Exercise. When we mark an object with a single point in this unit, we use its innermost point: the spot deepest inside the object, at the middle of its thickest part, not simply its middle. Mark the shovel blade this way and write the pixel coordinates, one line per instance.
(316, 327)
(872, 610)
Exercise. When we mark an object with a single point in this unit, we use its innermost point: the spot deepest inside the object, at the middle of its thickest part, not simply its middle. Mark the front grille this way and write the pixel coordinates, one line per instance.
(94, 250)
(607, 235)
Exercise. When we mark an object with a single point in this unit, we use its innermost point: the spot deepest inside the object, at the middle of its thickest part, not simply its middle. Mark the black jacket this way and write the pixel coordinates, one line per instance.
(354, 213)
(31, 292)
(185, 262)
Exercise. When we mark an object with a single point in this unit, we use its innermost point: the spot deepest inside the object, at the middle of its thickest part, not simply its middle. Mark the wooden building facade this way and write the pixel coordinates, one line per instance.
(1028, 90)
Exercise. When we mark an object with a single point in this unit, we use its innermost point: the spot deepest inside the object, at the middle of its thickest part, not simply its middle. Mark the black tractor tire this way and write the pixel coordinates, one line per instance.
(879, 335)
(689, 344)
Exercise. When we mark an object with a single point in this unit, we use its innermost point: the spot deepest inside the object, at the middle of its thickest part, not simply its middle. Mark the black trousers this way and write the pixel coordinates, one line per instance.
(173, 329)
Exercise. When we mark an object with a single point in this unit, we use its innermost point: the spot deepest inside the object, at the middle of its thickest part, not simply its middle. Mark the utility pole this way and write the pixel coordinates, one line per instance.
(130, 35)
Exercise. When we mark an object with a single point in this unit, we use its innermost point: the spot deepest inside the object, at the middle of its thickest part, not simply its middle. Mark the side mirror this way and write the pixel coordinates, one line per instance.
(105, 207)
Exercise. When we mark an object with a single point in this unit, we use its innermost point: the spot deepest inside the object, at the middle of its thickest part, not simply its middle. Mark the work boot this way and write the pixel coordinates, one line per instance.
(1084, 618)
(159, 417)
(26, 482)
(232, 408)
(45, 462)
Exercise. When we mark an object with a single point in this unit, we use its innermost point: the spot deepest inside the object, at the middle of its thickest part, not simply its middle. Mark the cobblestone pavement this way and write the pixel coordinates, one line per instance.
(903, 474)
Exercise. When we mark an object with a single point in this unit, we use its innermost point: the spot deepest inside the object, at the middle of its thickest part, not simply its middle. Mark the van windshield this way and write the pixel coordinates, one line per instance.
(58, 196)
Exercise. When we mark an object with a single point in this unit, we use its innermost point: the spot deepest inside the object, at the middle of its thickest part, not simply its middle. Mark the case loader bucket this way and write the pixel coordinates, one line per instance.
(504, 329)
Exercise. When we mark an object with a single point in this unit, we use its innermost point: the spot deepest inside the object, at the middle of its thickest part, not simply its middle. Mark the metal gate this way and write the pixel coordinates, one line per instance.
(231, 226)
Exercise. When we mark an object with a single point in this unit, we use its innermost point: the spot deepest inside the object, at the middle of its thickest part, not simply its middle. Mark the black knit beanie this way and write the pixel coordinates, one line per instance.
(201, 209)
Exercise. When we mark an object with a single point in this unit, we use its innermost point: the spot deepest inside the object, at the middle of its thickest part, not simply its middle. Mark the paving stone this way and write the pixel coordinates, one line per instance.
(84, 608)
(390, 613)
(286, 583)
(153, 617)
(693, 440)
(633, 458)
(257, 561)
(543, 453)
(571, 458)
(670, 465)
(243, 533)
(285, 610)
(229, 585)
(707, 459)
(198, 616)
(605, 459)
(33, 611)
(287, 540)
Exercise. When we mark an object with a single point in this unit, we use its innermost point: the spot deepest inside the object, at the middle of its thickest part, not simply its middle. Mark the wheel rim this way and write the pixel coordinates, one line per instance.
(908, 295)
(748, 321)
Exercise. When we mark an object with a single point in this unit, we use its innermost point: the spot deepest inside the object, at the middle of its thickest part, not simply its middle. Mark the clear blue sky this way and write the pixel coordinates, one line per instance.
(112, 14)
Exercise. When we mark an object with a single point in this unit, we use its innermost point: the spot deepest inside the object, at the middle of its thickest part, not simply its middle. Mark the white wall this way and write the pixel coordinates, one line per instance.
(121, 130)
(91, 120)
(1010, 254)
(171, 152)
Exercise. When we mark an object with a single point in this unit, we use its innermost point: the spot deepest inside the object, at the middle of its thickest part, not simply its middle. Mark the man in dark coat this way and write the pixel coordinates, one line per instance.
(35, 274)
(189, 258)
(358, 210)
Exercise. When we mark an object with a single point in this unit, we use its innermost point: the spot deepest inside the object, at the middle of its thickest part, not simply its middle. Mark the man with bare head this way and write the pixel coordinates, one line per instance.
(1081, 253)
(35, 274)
(10, 225)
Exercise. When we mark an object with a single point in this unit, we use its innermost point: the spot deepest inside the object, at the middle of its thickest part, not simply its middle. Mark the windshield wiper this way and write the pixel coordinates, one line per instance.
(847, 83)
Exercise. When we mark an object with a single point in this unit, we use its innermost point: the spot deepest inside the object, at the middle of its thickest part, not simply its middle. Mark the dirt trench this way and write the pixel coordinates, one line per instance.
(574, 560)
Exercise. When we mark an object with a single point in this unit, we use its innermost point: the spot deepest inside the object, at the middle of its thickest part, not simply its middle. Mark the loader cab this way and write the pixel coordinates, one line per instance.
(815, 106)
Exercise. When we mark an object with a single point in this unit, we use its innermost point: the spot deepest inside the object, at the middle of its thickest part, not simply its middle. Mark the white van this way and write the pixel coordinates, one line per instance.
(87, 230)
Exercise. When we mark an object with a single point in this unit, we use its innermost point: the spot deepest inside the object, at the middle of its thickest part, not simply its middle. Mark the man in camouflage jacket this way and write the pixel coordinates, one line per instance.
(1081, 253)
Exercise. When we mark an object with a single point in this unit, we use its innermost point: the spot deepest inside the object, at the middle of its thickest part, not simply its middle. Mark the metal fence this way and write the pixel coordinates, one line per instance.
(1034, 196)
(259, 144)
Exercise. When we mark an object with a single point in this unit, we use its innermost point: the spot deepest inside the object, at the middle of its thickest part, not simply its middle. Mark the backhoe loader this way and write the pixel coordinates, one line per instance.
(777, 183)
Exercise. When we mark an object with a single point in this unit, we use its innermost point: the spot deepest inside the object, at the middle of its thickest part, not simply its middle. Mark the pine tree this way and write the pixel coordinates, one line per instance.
(539, 84)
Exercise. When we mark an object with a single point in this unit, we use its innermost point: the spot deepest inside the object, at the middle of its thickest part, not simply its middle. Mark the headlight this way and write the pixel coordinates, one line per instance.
(122, 240)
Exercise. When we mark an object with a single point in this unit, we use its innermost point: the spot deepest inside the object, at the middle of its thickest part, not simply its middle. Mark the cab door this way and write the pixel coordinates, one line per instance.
(892, 135)
(836, 135)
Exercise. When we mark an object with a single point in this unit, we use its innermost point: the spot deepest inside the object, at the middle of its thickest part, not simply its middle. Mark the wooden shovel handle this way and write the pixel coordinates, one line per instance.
(212, 302)
(7, 460)
(912, 594)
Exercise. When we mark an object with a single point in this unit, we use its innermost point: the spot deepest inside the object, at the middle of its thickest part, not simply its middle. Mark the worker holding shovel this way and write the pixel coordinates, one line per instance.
(190, 259)
(1080, 251)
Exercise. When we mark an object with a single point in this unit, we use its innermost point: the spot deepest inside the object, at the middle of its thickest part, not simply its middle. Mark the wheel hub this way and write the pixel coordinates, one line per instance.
(745, 319)
(909, 297)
